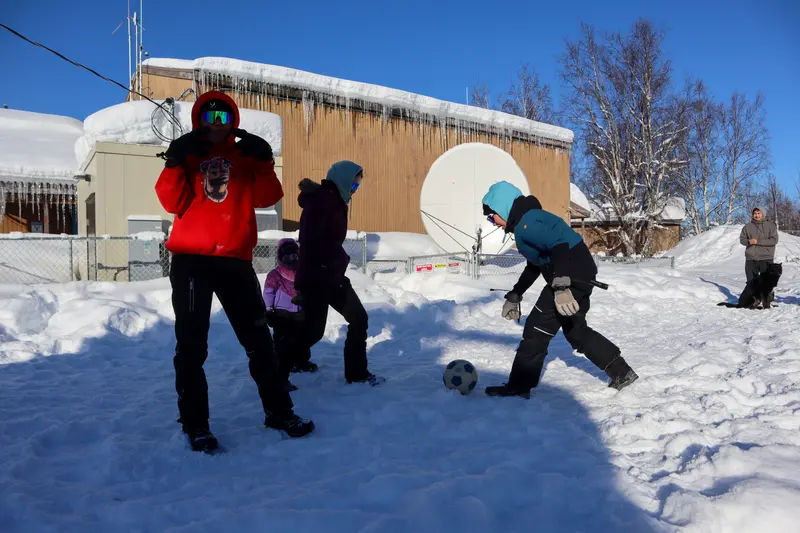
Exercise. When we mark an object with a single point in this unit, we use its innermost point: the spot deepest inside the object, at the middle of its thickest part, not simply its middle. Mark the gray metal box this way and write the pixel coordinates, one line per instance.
(147, 255)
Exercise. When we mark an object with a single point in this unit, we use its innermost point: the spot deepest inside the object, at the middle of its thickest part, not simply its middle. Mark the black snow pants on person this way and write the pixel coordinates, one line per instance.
(542, 325)
(342, 297)
(289, 345)
(195, 279)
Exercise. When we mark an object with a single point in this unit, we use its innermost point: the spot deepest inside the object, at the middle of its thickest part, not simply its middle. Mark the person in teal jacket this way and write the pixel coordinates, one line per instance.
(557, 253)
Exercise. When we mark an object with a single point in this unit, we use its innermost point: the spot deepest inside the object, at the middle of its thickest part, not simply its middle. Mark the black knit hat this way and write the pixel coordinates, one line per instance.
(215, 105)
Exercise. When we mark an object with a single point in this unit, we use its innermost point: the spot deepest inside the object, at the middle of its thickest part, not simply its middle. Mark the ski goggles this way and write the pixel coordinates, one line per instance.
(211, 117)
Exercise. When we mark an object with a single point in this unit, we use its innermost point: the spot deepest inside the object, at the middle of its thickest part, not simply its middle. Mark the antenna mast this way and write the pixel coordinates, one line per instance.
(141, 45)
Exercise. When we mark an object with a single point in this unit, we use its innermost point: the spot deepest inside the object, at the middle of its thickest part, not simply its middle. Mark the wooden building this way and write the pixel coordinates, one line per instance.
(396, 136)
(596, 224)
(38, 186)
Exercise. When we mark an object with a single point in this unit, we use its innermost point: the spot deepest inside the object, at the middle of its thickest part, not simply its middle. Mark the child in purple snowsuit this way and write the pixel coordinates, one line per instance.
(284, 316)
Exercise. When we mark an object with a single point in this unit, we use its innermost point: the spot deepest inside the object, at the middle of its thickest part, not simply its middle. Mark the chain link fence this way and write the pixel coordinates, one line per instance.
(29, 259)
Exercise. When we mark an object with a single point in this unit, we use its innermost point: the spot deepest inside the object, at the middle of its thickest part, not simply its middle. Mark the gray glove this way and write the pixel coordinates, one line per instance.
(511, 306)
(565, 301)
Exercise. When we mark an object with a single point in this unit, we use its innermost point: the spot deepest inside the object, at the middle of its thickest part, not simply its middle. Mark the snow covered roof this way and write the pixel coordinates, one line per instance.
(134, 123)
(37, 148)
(246, 71)
(577, 197)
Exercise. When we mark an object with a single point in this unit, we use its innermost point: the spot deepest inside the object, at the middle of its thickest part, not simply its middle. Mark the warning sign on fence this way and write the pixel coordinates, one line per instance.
(452, 266)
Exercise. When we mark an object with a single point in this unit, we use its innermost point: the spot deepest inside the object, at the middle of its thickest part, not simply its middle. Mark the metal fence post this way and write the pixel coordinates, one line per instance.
(364, 254)
(71, 268)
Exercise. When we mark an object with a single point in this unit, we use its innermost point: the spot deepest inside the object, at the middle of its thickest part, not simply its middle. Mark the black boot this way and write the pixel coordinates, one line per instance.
(305, 367)
(370, 378)
(201, 440)
(289, 423)
(620, 373)
(506, 390)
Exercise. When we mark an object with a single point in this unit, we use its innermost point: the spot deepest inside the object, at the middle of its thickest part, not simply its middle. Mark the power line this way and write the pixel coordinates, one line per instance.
(40, 45)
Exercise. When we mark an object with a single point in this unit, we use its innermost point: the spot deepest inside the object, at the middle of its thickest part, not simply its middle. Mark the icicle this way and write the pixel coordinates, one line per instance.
(19, 198)
(3, 198)
(308, 109)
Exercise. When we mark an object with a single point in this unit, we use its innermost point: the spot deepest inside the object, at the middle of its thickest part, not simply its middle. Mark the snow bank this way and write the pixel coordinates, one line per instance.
(133, 123)
(721, 245)
(380, 245)
(576, 195)
(36, 146)
(390, 98)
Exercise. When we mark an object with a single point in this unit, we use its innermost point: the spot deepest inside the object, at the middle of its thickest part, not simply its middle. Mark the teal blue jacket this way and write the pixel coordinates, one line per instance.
(550, 246)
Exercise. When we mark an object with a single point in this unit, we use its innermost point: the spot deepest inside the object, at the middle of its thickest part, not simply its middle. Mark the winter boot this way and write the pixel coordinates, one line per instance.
(201, 440)
(289, 423)
(506, 390)
(620, 373)
(305, 367)
(370, 378)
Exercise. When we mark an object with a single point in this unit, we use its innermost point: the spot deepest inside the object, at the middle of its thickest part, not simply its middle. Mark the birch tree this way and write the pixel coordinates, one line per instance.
(746, 149)
(632, 125)
(701, 180)
(528, 97)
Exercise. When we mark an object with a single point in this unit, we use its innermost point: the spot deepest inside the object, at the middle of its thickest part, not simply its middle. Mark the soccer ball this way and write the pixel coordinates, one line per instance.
(460, 375)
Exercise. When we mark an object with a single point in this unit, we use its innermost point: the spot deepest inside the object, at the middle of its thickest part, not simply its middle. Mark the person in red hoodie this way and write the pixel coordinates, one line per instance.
(212, 184)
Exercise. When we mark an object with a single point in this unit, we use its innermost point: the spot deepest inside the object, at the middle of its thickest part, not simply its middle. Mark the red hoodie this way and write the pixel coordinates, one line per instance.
(214, 197)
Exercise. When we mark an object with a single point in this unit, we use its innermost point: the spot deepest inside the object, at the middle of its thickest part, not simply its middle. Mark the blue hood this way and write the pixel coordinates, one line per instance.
(343, 174)
(500, 198)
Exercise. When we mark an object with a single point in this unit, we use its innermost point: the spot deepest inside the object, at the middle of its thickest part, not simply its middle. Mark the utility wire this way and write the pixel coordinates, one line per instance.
(40, 45)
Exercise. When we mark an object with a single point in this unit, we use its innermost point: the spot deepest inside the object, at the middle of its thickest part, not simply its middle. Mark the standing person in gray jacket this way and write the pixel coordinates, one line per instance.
(760, 237)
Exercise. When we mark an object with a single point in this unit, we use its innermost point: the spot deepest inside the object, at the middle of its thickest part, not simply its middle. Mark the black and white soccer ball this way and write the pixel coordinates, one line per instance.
(460, 375)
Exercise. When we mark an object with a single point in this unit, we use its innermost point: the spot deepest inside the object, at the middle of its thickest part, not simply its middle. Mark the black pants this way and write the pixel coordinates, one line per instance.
(753, 267)
(289, 347)
(343, 299)
(195, 279)
(542, 325)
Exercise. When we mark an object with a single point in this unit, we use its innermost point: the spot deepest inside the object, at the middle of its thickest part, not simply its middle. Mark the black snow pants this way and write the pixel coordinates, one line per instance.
(195, 279)
(344, 300)
(291, 350)
(542, 325)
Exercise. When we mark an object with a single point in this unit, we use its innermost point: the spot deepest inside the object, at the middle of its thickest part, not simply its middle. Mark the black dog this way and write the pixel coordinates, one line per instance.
(758, 291)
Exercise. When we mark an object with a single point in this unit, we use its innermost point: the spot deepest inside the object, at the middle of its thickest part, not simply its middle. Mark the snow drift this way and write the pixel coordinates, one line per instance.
(721, 245)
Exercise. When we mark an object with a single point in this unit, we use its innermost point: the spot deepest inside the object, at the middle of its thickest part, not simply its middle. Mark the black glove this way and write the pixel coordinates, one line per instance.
(298, 300)
(192, 143)
(253, 145)
(511, 308)
(271, 318)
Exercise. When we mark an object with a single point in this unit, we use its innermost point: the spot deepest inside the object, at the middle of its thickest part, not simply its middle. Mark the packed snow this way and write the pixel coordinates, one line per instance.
(706, 441)
(134, 123)
(385, 96)
(37, 146)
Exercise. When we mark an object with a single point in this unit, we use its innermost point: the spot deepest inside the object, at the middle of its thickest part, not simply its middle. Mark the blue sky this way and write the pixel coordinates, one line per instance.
(436, 48)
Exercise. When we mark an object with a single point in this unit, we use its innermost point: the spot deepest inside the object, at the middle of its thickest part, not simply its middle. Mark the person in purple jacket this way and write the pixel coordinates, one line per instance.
(320, 280)
(283, 315)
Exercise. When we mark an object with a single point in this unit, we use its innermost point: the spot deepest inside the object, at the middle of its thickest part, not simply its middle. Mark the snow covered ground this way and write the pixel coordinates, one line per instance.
(708, 440)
